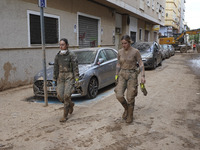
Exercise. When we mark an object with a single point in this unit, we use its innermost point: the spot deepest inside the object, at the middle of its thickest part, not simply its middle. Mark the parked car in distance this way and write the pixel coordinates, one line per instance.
(97, 67)
(150, 53)
(162, 53)
(171, 50)
(165, 50)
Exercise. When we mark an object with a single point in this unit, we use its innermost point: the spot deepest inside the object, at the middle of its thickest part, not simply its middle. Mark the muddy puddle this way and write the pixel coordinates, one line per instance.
(194, 63)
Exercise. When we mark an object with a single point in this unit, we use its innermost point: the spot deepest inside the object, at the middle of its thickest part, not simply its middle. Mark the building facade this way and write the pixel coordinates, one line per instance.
(85, 23)
(174, 18)
(182, 17)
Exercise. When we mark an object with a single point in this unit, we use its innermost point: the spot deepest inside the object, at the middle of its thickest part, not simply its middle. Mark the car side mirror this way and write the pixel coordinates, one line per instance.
(51, 63)
(101, 60)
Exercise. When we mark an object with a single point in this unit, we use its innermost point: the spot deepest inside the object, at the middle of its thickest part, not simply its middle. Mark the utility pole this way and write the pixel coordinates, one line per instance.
(42, 4)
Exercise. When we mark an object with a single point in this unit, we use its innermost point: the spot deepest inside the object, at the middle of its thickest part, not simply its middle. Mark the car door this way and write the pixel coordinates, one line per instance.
(106, 70)
(102, 69)
(111, 64)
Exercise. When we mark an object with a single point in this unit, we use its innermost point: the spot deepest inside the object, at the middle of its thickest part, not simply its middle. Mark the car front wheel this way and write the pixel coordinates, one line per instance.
(92, 88)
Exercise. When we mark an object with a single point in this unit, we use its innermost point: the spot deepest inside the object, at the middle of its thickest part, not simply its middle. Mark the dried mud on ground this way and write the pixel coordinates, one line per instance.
(167, 118)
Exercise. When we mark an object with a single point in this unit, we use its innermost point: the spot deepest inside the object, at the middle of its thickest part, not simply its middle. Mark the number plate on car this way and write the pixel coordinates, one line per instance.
(51, 89)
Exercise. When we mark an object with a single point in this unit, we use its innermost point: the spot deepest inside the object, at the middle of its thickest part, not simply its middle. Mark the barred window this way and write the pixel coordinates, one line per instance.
(51, 26)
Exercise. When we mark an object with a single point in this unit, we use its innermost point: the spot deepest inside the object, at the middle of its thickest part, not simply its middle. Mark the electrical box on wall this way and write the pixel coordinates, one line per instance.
(118, 30)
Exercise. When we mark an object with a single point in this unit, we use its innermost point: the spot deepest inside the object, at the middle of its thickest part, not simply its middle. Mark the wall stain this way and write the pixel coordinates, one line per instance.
(5, 83)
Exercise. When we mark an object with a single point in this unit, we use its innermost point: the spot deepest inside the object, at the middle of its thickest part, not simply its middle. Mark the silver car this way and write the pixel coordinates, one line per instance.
(96, 68)
(165, 50)
(150, 53)
(172, 50)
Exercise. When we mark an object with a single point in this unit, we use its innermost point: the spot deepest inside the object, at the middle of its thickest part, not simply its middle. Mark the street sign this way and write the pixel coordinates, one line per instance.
(42, 3)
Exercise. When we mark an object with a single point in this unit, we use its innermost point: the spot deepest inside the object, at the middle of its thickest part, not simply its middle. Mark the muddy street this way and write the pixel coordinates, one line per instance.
(167, 118)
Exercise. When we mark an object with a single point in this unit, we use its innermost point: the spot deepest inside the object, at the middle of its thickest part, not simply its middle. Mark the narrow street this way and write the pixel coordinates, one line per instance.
(168, 118)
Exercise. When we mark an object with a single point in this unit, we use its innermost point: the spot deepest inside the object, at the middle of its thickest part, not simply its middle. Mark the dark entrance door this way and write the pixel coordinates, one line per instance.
(133, 36)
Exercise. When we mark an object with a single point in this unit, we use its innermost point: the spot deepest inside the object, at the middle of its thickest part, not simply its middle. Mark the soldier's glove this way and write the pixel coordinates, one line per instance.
(143, 89)
(77, 84)
(116, 79)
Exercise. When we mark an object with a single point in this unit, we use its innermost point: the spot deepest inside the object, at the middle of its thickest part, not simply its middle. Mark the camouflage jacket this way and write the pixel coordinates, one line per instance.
(64, 63)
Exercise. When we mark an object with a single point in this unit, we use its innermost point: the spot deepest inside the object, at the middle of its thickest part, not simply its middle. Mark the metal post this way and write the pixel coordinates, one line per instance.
(44, 55)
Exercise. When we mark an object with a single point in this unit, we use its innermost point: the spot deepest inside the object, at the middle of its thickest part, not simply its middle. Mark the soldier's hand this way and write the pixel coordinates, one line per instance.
(116, 79)
(77, 84)
(143, 89)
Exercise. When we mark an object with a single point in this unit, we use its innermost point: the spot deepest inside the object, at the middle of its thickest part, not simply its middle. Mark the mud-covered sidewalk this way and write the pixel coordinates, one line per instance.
(168, 118)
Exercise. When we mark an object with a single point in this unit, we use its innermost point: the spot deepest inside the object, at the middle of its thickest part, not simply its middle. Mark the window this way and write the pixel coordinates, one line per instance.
(51, 25)
(146, 36)
(140, 34)
(148, 3)
(157, 7)
(102, 55)
(110, 54)
(153, 4)
(133, 36)
(162, 12)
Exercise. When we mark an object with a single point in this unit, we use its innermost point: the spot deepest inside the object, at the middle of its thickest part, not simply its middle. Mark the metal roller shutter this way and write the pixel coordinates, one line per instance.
(88, 32)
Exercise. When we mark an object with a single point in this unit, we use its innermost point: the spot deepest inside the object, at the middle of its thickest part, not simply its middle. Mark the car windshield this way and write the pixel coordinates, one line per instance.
(85, 57)
(164, 46)
(143, 47)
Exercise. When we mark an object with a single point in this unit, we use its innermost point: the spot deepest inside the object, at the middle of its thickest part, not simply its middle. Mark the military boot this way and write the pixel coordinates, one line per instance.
(125, 105)
(66, 111)
(130, 113)
(71, 107)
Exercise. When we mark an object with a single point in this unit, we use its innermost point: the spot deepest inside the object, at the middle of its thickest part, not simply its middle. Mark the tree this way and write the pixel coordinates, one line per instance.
(195, 38)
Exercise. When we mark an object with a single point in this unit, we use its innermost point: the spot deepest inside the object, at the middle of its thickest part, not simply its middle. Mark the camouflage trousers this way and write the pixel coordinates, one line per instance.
(65, 87)
(127, 80)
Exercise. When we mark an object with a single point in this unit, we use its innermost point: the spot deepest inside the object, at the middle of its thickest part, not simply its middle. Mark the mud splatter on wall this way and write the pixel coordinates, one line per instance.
(4, 82)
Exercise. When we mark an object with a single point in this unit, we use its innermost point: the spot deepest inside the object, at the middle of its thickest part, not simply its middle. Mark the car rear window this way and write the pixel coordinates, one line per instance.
(142, 46)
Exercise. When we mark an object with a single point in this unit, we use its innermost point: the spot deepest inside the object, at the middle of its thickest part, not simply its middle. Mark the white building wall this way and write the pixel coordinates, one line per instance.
(19, 60)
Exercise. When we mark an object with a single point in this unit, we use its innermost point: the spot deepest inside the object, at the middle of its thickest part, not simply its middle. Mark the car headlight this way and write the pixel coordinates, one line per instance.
(81, 76)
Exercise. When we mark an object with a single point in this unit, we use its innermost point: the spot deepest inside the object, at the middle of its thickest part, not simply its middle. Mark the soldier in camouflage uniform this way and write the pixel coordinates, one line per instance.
(127, 77)
(65, 75)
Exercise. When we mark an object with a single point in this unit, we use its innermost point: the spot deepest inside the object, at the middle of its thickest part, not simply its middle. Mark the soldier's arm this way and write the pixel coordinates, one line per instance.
(56, 69)
(141, 67)
(118, 67)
